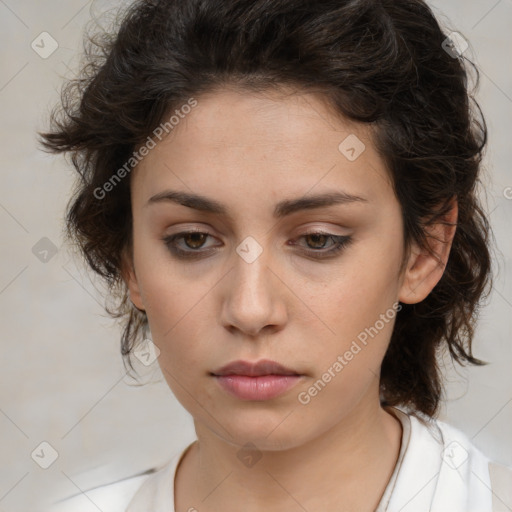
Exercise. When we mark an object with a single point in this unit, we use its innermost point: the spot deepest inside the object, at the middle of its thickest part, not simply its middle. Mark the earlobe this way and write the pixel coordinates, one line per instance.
(130, 278)
(424, 270)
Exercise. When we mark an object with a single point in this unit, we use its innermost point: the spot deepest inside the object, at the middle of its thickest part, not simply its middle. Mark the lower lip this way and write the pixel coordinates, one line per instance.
(263, 387)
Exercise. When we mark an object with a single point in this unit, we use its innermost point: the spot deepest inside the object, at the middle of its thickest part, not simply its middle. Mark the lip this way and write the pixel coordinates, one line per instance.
(262, 380)
(259, 368)
(264, 387)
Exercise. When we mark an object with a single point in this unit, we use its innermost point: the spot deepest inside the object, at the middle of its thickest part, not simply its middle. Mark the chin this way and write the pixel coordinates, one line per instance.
(270, 430)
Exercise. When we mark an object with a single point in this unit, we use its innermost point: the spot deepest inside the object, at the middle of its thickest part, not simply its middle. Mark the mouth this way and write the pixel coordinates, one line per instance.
(259, 381)
(258, 369)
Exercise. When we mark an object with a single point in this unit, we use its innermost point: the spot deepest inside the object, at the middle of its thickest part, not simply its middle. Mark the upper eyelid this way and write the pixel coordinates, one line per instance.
(310, 231)
(315, 228)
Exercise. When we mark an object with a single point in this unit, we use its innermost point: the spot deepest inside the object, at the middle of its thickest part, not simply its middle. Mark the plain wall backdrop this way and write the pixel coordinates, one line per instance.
(62, 378)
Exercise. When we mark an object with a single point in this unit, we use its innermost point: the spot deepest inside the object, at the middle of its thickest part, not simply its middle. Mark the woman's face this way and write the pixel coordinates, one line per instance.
(260, 283)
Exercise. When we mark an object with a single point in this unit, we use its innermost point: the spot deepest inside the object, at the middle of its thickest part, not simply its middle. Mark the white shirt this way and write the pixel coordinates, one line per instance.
(438, 470)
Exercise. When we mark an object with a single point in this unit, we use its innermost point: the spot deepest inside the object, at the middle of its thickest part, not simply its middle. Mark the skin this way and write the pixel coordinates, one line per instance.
(250, 151)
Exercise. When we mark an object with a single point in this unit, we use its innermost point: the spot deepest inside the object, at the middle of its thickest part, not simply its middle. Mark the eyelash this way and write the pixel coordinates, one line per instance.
(340, 242)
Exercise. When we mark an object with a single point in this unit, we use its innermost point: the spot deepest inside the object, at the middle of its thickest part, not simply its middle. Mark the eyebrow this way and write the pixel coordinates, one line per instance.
(282, 209)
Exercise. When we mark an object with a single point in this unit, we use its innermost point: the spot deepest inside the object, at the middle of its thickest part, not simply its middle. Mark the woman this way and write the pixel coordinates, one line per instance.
(283, 197)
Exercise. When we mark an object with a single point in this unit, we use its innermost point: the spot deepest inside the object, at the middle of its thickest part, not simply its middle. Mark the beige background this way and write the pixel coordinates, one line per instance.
(62, 380)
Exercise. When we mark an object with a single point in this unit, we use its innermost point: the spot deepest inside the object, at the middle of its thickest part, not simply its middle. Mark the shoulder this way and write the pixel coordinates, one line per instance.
(151, 490)
(501, 484)
(111, 497)
(157, 492)
(443, 471)
(458, 451)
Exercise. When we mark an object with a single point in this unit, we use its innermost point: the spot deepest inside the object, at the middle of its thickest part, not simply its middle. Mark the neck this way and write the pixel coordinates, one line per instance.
(345, 468)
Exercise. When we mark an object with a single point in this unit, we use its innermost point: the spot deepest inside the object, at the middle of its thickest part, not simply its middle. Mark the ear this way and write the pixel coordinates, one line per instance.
(130, 278)
(424, 270)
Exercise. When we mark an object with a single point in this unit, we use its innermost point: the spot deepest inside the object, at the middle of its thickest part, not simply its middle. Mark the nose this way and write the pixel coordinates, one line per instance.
(253, 296)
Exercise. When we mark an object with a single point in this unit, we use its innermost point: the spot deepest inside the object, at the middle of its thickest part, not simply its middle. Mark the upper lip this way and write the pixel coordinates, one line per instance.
(262, 367)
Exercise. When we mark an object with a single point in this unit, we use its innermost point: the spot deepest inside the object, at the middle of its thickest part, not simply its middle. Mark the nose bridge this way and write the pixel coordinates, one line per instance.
(252, 296)
(251, 276)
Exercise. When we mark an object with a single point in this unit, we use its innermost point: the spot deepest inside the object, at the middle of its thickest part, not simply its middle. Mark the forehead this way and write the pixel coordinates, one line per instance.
(275, 143)
(237, 117)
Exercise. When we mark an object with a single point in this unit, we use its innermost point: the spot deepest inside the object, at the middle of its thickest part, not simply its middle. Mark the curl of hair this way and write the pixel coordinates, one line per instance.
(379, 62)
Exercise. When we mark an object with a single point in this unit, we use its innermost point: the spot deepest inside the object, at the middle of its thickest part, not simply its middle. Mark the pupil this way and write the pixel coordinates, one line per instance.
(200, 235)
(316, 237)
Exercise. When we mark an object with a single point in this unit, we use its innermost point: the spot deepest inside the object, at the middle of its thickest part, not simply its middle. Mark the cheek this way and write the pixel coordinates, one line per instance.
(174, 313)
(358, 306)
(347, 363)
(175, 317)
(168, 301)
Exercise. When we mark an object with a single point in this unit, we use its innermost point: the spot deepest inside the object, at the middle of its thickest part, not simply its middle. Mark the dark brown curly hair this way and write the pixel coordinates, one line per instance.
(382, 62)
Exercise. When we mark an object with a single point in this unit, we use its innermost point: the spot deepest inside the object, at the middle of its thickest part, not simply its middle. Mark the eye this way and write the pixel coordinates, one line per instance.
(194, 241)
(318, 240)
